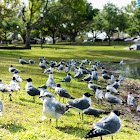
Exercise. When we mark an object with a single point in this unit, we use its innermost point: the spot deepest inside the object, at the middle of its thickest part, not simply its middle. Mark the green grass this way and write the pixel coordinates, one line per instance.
(21, 118)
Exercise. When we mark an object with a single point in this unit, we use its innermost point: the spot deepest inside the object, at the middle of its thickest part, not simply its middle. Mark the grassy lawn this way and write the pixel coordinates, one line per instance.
(21, 118)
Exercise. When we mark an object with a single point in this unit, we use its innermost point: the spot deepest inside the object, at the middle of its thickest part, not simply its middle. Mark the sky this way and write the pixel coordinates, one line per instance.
(100, 3)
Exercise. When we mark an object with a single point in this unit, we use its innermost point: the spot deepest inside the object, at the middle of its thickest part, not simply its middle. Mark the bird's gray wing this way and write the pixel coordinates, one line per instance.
(113, 99)
(79, 103)
(31, 90)
(60, 108)
(1, 106)
(109, 124)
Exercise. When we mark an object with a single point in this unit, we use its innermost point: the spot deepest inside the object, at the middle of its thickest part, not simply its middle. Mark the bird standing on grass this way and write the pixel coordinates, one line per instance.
(107, 125)
(81, 103)
(62, 92)
(52, 108)
(50, 82)
(67, 79)
(21, 61)
(12, 69)
(130, 99)
(31, 90)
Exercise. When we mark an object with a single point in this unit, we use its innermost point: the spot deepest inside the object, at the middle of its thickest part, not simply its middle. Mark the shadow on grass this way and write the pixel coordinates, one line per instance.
(30, 101)
(12, 127)
(76, 131)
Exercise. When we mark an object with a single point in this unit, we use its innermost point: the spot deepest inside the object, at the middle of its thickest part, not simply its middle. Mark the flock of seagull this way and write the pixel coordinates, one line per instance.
(54, 109)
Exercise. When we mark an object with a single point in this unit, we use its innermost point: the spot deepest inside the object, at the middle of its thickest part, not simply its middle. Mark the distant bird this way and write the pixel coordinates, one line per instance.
(14, 85)
(62, 92)
(31, 90)
(112, 80)
(107, 125)
(122, 62)
(52, 108)
(116, 84)
(79, 74)
(92, 86)
(105, 76)
(18, 78)
(99, 94)
(138, 109)
(45, 61)
(67, 79)
(61, 67)
(44, 92)
(95, 75)
(12, 69)
(42, 65)
(121, 78)
(31, 61)
(130, 99)
(50, 82)
(49, 70)
(21, 61)
(112, 98)
(81, 103)
(1, 107)
(87, 78)
(67, 68)
(111, 89)
(5, 88)
(94, 111)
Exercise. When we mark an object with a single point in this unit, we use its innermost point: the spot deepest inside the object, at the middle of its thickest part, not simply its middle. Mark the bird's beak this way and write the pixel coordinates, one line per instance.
(91, 95)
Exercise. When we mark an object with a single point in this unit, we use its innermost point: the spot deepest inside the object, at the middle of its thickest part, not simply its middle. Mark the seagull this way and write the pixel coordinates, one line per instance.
(31, 61)
(18, 78)
(61, 67)
(112, 98)
(5, 88)
(105, 76)
(87, 78)
(51, 69)
(62, 92)
(67, 79)
(107, 125)
(81, 103)
(44, 92)
(138, 108)
(12, 69)
(92, 86)
(116, 84)
(130, 99)
(67, 68)
(1, 107)
(112, 80)
(42, 65)
(15, 86)
(99, 94)
(94, 111)
(121, 79)
(111, 88)
(21, 61)
(95, 75)
(31, 90)
(45, 61)
(79, 74)
(50, 82)
(52, 108)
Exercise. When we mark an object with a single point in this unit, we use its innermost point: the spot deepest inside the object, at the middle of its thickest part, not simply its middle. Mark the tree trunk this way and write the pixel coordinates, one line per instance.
(5, 37)
(28, 32)
(109, 41)
(53, 37)
(73, 37)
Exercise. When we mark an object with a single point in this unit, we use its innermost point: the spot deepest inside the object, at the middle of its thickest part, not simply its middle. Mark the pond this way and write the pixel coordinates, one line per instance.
(129, 70)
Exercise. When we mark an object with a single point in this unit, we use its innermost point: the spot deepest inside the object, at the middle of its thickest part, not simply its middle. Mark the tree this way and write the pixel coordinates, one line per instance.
(108, 20)
(133, 16)
(31, 15)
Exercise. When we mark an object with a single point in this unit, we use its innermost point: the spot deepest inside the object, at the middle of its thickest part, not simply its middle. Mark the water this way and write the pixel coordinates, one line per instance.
(129, 70)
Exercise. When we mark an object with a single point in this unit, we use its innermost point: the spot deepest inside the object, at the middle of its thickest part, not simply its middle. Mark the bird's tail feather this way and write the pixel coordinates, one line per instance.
(93, 133)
